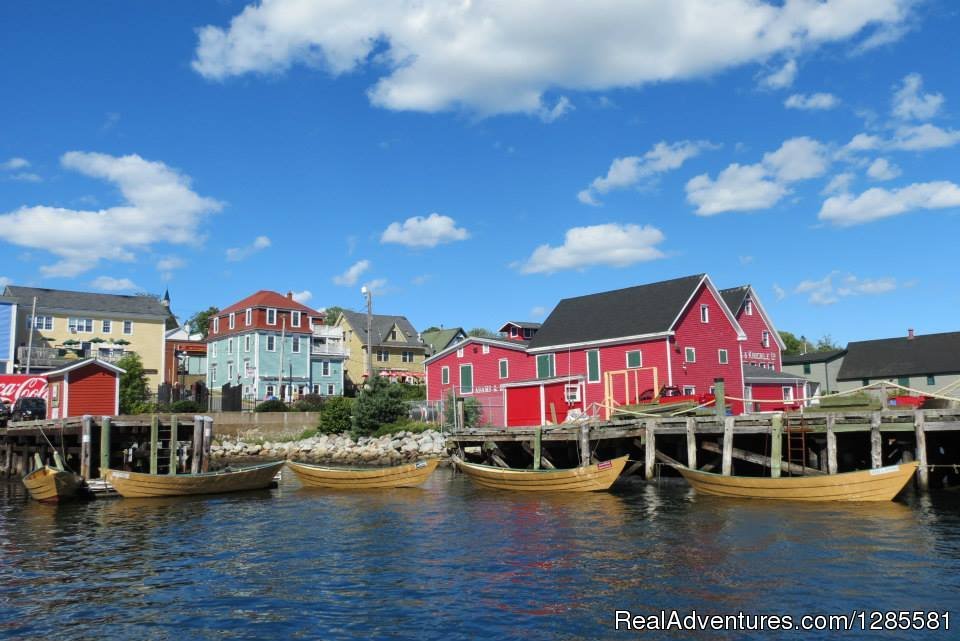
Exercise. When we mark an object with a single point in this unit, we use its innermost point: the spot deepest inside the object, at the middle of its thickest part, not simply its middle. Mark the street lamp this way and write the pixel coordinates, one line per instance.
(365, 291)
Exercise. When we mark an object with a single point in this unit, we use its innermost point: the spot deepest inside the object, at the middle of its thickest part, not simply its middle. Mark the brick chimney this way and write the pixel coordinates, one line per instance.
(290, 296)
(910, 334)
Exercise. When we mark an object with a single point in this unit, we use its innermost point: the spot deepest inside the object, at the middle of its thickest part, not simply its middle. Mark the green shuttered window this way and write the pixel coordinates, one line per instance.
(634, 358)
(466, 379)
(545, 366)
(593, 366)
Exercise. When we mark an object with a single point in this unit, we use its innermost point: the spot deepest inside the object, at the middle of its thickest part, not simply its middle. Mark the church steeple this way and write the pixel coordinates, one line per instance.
(166, 298)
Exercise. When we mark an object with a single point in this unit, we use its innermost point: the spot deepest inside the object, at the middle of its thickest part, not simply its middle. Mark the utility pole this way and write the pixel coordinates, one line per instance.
(33, 328)
(369, 295)
(283, 334)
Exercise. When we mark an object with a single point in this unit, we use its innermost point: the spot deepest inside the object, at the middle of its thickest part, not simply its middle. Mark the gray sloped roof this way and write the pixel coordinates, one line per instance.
(440, 339)
(752, 373)
(382, 324)
(93, 303)
(734, 297)
(520, 324)
(890, 357)
(813, 357)
(633, 311)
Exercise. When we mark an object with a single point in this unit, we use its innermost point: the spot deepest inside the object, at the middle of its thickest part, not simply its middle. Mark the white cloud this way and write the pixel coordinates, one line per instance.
(4, 281)
(170, 263)
(111, 284)
(845, 210)
(418, 231)
(910, 104)
(923, 137)
(864, 142)
(782, 77)
(737, 188)
(422, 279)
(353, 273)
(882, 169)
(629, 170)
(235, 254)
(816, 101)
(538, 311)
(377, 286)
(759, 186)
(14, 164)
(610, 244)
(559, 109)
(838, 184)
(27, 177)
(779, 292)
(835, 286)
(159, 207)
(499, 57)
(745, 260)
(303, 297)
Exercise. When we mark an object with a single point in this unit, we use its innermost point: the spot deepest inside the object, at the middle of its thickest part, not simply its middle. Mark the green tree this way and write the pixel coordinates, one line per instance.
(826, 344)
(199, 323)
(380, 402)
(133, 383)
(432, 328)
(472, 411)
(331, 314)
(482, 332)
(336, 416)
(793, 344)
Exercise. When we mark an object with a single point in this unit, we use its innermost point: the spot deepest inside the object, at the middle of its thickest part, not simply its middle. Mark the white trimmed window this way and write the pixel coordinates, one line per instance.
(331, 389)
(485, 349)
(748, 308)
(268, 391)
(232, 320)
(722, 357)
(229, 346)
(106, 326)
(527, 332)
(634, 359)
(295, 318)
(80, 325)
(271, 316)
(704, 313)
(787, 393)
(513, 331)
(246, 343)
(325, 368)
(765, 338)
(128, 327)
(593, 366)
(383, 356)
(466, 379)
(444, 375)
(689, 390)
(229, 372)
(248, 317)
(271, 343)
(246, 369)
(316, 388)
(213, 373)
(546, 366)
(213, 350)
(406, 357)
(460, 353)
(571, 393)
(504, 368)
(690, 354)
(216, 325)
(295, 339)
(41, 322)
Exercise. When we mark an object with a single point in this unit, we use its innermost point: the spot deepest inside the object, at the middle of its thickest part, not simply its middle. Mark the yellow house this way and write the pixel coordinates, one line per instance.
(398, 352)
(73, 325)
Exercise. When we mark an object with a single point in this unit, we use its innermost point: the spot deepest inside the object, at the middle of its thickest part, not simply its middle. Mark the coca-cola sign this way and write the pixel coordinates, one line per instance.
(15, 386)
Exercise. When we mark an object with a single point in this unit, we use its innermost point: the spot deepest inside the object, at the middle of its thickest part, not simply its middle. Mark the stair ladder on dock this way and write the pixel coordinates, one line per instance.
(163, 448)
(796, 444)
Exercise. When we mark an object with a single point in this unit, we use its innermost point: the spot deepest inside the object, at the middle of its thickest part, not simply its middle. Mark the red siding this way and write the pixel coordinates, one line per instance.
(754, 353)
(614, 358)
(774, 392)
(523, 405)
(260, 323)
(91, 390)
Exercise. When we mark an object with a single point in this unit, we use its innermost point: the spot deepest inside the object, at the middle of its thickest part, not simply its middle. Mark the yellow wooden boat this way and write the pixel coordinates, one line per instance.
(592, 478)
(136, 484)
(51, 485)
(879, 484)
(374, 478)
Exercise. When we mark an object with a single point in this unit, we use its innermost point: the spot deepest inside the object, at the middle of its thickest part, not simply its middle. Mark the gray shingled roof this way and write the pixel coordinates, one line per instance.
(734, 297)
(633, 311)
(813, 357)
(753, 373)
(922, 355)
(439, 339)
(382, 324)
(70, 301)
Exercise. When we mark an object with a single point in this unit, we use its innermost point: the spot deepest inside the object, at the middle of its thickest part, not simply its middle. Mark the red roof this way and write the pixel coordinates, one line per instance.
(267, 298)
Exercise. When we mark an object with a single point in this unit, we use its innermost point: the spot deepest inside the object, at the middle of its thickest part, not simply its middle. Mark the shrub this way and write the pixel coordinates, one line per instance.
(336, 416)
(403, 426)
(271, 406)
(310, 403)
(141, 407)
(133, 384)
(379, 402)
(472, 411)
(413, 392)
(184, 407)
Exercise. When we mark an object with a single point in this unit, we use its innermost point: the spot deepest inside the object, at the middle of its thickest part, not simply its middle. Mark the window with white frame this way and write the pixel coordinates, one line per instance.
(571, 393)
(504, 368)
(316, 388)
(689, 390)
(325, 368)
(246, 342)
(216, 325)
(44, 323)
(128, 327)
(248, 317)
(788, 393)
(765, 338)
(331, 389)
(527, 332)
(106, 326)
(513, 332)
(247, 371)
(485, 349)
(383, 356)
(80, 325)
(295, 318)
(232, 320)
(271, 343)
(213, 373)
(690, 355)
(295, 340)
(406, 357)
(704, 313)
(546, 366)
(213, 350)
(229, 346)
(593, 366)
(271, 316)
(634, 359)
(722, 357)
(466, 379)
(460, 353)
(269, 390)
(748, 308)
(444, 375)
(229, 372)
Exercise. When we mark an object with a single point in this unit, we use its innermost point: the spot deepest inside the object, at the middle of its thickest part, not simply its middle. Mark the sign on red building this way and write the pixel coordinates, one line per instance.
(14, 386)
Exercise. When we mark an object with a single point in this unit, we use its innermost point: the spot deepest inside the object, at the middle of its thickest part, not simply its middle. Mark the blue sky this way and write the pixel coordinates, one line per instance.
(476, 163)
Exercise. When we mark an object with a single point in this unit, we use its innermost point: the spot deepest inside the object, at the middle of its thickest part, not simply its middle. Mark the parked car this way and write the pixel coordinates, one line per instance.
(29, 409)
(4, 413)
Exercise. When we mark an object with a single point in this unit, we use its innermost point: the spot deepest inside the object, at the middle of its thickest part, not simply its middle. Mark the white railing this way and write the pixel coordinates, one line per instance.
(327, 331)
(328, 349)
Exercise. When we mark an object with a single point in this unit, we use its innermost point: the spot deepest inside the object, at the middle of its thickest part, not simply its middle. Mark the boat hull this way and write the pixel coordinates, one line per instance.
(50, 485)
(592, 478)
(138, 485)
(409, 475)
(881, 484)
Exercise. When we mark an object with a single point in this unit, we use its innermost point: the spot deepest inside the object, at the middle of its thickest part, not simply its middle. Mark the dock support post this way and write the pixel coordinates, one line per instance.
(197, 444)
(876, 442)
(831, 445)
(720, 402)
(173, 444)
(691, 443)
(923, 473)
(154, 442)
(86, 430)
(727, 465)
(207, 443)
(537, 445)
(776, 445)
(104, 445)
(8, 459)
(459, 416)
(649, 450)
(585, 444)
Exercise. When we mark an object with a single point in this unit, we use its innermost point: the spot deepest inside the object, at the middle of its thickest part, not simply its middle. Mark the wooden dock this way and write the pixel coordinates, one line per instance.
(774, 443)
(90, 445)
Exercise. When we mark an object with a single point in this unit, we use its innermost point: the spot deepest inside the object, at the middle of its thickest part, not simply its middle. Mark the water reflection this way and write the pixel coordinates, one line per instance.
(450, 561)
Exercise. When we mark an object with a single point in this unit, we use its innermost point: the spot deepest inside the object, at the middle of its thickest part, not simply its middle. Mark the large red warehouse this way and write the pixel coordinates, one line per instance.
(609, 348)
(89, 387)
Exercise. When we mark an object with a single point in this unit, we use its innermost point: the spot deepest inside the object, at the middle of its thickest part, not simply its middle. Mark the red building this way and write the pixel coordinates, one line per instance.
(87, 387)
(611, 348)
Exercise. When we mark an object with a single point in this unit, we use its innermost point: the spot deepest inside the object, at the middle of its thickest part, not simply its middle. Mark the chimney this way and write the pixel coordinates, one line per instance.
(290, 295)
(910, 334)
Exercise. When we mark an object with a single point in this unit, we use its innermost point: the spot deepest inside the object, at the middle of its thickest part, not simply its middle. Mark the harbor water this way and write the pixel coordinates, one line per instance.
(449, 561)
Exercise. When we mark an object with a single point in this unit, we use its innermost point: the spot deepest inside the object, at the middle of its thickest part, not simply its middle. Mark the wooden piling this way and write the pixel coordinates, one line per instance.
(719, 393)
(207, 443)
(691, 443)
(86, 431)
(923, 473)
(649, 450)
(104, 445)
(154, 442)
(831, 445)
(197, 445)
(537, 447)
(727, 465)
(585, 444)
(776, 445)
(876, 442)
(8, 459)
(173, 444)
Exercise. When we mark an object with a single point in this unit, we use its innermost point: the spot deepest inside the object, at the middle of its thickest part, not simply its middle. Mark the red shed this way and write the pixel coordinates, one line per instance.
(90, 387)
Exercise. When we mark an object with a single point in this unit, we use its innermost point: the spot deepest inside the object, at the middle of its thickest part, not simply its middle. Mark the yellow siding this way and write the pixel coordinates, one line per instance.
(355, 364)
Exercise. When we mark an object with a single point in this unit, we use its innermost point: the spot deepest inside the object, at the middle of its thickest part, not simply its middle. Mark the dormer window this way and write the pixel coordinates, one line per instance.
(233, 320)
(393, 334)
(527, 332)
(216, 325)
(513, 331)
(748, 308)
(248, 319)
(704, 313)
(295, 318)
(271, 316)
